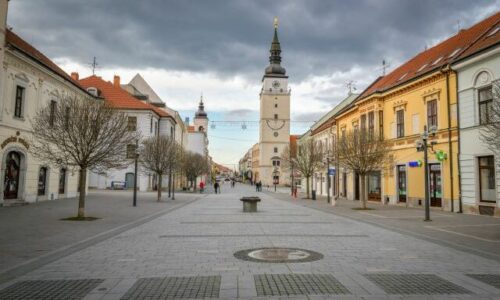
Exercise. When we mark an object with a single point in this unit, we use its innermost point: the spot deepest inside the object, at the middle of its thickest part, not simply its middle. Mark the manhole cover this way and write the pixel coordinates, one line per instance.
(278, 255)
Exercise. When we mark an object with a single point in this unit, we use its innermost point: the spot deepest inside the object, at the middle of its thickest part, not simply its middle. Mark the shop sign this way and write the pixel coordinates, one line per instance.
(415, 164)
(331, 172)
(441, 155)
(14, 139)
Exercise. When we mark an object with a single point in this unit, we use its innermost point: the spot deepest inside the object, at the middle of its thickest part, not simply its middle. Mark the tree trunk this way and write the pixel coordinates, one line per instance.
(307, 187)
(159, 187)
(362, 193)
(194, 188)
(81, 198)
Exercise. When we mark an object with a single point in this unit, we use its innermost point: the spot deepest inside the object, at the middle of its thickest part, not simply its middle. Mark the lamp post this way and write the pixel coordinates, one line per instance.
(275, 178)
(135, 172)
(424, 147)
(328, 177)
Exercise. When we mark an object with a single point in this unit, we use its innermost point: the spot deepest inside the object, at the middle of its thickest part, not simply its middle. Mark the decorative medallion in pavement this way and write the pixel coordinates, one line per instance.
(278, 255)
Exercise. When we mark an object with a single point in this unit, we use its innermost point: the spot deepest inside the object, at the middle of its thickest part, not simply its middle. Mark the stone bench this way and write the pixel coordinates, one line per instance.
(250, 204)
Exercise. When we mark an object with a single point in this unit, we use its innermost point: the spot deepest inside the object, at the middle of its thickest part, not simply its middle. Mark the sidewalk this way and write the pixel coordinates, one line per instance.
(475, 234)
(33, 235)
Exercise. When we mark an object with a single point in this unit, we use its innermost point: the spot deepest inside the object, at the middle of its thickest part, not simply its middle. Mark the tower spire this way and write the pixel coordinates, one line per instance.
(275, 51)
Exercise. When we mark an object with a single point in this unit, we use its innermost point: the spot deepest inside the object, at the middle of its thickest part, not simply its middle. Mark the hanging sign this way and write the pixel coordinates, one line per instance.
(441, 155)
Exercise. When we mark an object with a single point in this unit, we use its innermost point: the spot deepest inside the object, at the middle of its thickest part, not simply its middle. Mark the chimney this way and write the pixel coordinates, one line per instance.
(116, 81)
(75, 76)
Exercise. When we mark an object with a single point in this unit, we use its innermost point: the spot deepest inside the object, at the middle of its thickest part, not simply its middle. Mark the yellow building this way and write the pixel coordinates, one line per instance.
(420, 93)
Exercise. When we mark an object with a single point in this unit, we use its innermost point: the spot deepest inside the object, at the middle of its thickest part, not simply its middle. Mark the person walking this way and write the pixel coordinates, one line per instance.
(216, 187)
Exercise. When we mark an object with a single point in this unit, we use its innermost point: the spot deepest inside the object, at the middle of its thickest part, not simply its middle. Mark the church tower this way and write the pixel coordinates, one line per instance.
(274, 123)
(200, 118)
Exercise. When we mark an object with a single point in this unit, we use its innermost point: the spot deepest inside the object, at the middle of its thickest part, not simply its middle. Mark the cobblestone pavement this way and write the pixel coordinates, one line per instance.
(196, 243)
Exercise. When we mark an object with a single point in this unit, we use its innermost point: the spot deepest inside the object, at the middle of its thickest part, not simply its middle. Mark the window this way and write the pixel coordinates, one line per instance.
(132, 124)
(151, 126)
(18, 107)
(42, 179)
(487, 179)
(381, 124)
(363, 123)
(276, 116)
(275, 105)
(131, 151)
(156, 128)
(485, 103)
(67, 113)
(275, 149)
(400, 123)
(276, 163)
(371, 124)
(52, 112)
(432, 114)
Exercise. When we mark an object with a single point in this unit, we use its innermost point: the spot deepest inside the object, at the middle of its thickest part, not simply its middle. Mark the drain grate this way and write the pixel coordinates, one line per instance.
(491, 279)
(419, 284)
(50, 289)
(298, 284)
(175, 288)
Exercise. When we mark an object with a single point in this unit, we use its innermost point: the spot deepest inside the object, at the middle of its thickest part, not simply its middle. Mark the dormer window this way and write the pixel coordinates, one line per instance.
(93, 91)
(437, 60)
(403, 76)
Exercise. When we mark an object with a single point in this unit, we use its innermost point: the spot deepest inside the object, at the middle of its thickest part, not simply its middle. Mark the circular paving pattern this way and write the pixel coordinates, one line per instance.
(278, 255)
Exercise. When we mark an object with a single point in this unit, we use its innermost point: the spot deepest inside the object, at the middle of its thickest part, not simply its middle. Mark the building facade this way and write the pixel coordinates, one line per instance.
(29, 81)
(478, 87)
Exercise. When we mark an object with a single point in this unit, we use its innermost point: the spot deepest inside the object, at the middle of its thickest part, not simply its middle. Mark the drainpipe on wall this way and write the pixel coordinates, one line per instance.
(447, 70)
(458, 154)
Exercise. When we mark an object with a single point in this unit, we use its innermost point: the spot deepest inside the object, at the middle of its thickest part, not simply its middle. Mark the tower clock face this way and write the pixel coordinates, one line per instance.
(276, 84)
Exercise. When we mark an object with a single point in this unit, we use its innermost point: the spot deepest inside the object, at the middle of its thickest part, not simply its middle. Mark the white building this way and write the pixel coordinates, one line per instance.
(144, 117)
(28, 82)
(479, 165)
(198, 135)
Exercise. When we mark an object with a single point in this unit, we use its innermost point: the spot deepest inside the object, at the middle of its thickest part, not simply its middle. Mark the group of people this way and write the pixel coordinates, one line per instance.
(258, 186)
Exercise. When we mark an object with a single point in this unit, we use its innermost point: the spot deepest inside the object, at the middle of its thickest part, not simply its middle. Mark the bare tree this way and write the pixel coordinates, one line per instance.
(194, 165)
(158, 154)
(82, 133)
(490, 132)
(363, 153)
(307, 160)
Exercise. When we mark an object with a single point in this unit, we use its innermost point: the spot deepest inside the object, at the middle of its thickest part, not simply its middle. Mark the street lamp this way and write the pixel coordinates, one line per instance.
(275, 178)
(423, 147)
(328, 176)
(136, 157)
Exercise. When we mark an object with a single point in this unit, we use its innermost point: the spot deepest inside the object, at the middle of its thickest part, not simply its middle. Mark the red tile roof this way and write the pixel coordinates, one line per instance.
(13, 40)
(118, 97)
(465, 42)
(190, 128)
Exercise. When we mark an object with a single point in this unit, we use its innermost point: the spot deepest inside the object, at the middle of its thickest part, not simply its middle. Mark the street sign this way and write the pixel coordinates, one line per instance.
(415, 164)
(331, 172)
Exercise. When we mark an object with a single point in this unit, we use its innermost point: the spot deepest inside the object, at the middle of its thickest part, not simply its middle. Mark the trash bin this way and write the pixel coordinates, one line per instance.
(313, 194)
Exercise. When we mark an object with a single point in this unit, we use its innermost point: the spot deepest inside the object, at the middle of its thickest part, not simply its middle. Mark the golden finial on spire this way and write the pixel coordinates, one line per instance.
(275, 22)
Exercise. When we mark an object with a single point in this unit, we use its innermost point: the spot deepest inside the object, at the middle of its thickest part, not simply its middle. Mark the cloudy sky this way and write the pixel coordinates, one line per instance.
(220, 48)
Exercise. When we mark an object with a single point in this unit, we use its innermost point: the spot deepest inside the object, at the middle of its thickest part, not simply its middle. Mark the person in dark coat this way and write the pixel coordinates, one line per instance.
(216, 187)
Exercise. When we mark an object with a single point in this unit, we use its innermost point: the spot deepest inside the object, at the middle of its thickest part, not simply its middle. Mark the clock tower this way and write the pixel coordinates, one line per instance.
(274, 123)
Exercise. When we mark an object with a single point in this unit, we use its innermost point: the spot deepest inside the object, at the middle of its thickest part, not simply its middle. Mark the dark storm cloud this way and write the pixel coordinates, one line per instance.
(232, 37)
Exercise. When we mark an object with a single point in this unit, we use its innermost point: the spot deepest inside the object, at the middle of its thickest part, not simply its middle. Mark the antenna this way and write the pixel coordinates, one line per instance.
(458, 26)
(94, 65)
(385, 65)
(351, 86)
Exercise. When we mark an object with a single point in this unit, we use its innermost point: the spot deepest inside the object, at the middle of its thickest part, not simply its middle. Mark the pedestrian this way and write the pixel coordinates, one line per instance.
(216, 187)
(202, 186)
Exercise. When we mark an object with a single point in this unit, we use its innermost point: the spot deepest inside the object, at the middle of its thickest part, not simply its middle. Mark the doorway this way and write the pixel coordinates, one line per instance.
(129, 180)
(401, 183)
(435, 184)
(12, 174)
(62, 181)
(42, 181)
(374, 186)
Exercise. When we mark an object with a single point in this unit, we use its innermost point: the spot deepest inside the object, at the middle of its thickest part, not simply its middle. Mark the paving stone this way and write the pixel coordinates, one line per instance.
(297, 284)
(421, 284)
(195, 287)
(491, 279)
(49, 289)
